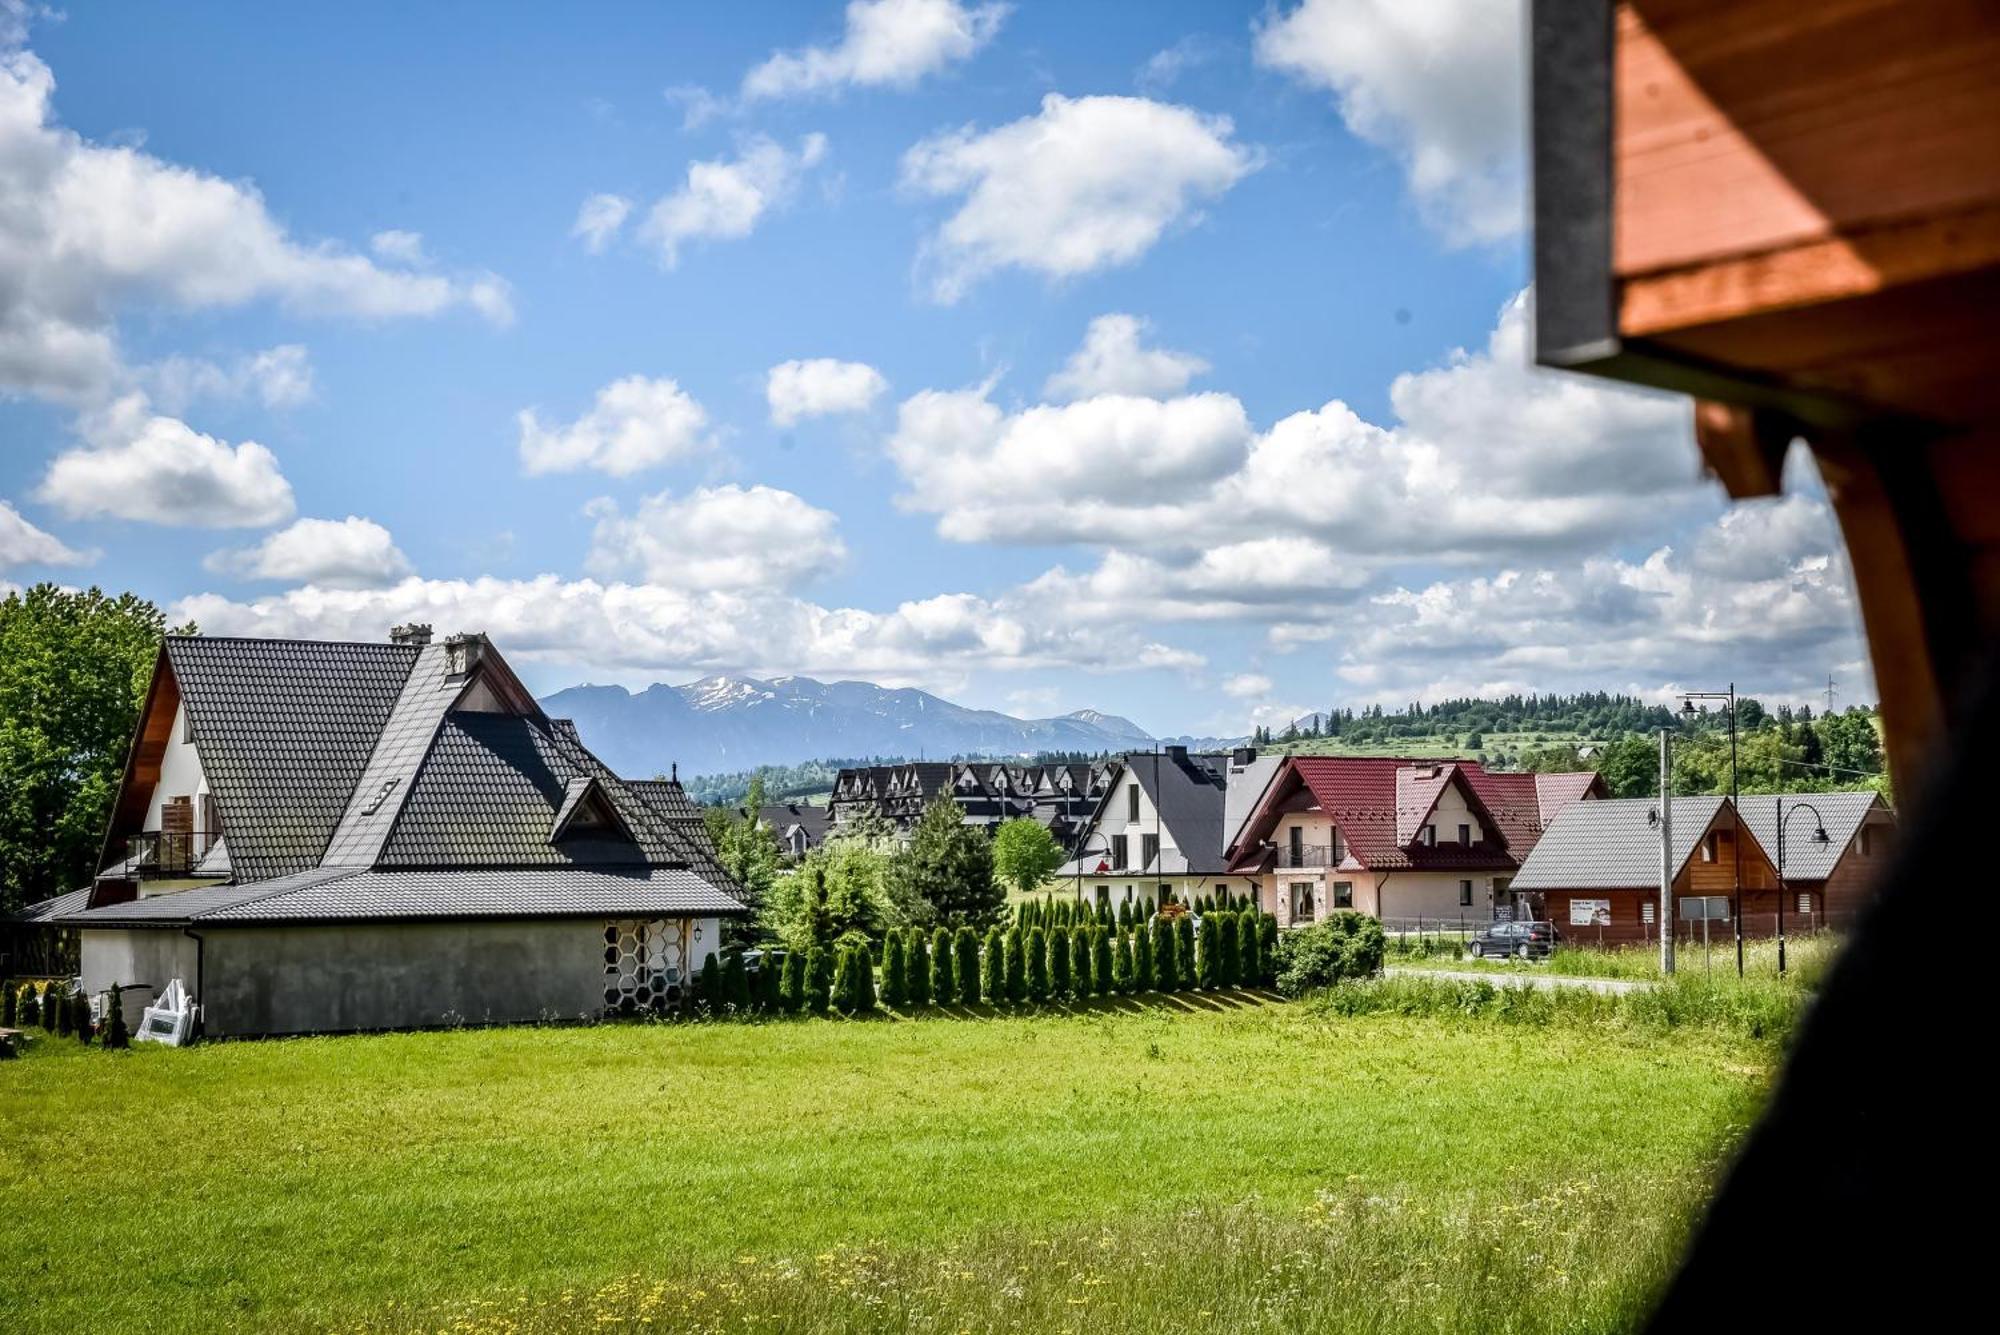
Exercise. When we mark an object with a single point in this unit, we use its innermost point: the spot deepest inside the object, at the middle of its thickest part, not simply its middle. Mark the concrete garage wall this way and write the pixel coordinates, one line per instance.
(333, 977)
(144, 960)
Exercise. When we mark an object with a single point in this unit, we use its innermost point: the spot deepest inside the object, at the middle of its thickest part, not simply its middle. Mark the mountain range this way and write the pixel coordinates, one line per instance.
(727, 723)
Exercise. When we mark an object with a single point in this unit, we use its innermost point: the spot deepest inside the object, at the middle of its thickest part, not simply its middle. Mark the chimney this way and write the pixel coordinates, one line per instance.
(1243, 756)
(1177, 754)
(462, 653)
(417, 633)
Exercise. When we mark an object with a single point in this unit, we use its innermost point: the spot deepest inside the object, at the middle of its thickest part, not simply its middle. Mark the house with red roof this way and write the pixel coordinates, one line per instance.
(1401, 839)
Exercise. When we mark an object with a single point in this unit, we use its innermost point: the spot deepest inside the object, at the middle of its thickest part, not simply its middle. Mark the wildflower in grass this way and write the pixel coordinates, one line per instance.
(1059, 958)
(895, 987)
(1103, 968)
(1017, 967)
(1037, 947)
(993, 966)
(819, 979)
(1082, 968)
(792, 982)
(966, 966)
(944, 980)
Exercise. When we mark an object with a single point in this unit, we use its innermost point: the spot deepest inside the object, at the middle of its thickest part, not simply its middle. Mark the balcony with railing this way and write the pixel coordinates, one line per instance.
(172, 854)
(1309, 855)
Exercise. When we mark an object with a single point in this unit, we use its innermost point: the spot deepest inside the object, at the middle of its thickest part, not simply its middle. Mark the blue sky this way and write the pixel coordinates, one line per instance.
(1304, 464)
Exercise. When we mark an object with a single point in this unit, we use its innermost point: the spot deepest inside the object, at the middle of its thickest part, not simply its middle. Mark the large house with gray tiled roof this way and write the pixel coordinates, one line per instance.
(318, 836)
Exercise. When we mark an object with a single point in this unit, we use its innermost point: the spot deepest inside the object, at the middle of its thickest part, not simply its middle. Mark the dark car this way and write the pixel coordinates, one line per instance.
(1522, 940)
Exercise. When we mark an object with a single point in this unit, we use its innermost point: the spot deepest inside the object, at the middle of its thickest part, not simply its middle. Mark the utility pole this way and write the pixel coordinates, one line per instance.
(1829, 692)
(1666, 855)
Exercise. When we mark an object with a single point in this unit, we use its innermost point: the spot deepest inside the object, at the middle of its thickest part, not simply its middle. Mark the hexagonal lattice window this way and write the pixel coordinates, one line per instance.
(643, 961)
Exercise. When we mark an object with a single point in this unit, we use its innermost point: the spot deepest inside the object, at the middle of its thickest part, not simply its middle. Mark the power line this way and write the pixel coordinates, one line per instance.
(1836, 769)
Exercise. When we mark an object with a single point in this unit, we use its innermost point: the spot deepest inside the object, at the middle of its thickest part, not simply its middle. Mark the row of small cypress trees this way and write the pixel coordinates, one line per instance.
(1235, 948)
(60, 1010)
(1128, 914)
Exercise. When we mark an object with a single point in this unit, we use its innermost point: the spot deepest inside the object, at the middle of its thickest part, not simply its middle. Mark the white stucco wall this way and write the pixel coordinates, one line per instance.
(180, 774)
(144, 961)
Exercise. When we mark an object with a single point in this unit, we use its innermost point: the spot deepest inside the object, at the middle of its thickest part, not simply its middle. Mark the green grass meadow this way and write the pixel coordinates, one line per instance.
(1224, 1162)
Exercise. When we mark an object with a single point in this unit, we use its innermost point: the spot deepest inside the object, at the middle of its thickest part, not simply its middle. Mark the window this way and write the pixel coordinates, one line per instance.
(1343, 894)
(1866, 842)
(1647, 908)
(1334, 838)
(1430, 836)
(1805, 904)
(1104, 891)
(1119, 848)
(1708, 847)
(1149, 849)
(1302, 901)
(1298, 837)
(1465, 894)
(1132, 802)
(1465, 834)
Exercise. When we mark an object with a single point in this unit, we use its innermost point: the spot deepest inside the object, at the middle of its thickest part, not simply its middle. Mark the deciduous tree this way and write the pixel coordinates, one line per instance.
(1024, 853)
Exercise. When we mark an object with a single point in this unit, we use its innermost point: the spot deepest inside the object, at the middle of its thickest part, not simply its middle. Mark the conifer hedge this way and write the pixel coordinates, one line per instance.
(1059, 972)
(1185, 963)
(864, 980)
(1017, 967)
(895, 988)
(917, 967)
(1267, 949)
(819, 979)
(993, 967)
(843, 980)
(1040, 985)
(944, 982)
(1142, 961)
(1249, 967)
(1082, 964)
(1103, 967)
(967, 966)
(792, 983)
(736, 982)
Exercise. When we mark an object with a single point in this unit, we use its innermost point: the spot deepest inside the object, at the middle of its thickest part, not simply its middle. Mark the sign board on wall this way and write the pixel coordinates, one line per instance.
(1590, 913)
(1695, 908)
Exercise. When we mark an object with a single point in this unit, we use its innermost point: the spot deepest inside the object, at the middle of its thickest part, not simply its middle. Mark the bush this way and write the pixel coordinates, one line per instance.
(79, 1020)
(1346, 945)
(58, 1003)
(1208, 959)
(1267, 949)
(116, 1035)
(917, 968)
(792, 983)
(895, 984)
(1229, 949)
(736, 983)
(993, 967)
(819, 979)
(1185, 962)
(1082, 962)
(944, 986)
(843, 981)
(1059, 960)
(1120, 948)
(863, 983)
(51, 1006)
(770, 970)
(708, 985)
(1039, 984)
(1249, 968)
(1104, 962)
(1164, 974)
(1017, 968)
(966, 967)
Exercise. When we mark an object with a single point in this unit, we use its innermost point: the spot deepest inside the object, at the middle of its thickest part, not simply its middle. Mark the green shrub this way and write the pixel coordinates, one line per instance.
(917, 968)
(1059, 961)
(80, 1016)
(864, 980)
(1017, 967)
(1228, 954)
(1125, 914)
(966, 967)
(1208, 959)
(57, 1002)
(819, 979)
(1165, 973)
(792, 983)
(1346, 945)
(1120, 947)
(843, 996)
(736, 983)
(1267, 949)
(116, 1035)
(993, 966)
(1082, 963)
(1185, 963)
(1103, 963)
(944, 984)
(895, 985)
(708, 985)
(770, 971)
(51, 1005)
(1249, 969)
(1039, 983)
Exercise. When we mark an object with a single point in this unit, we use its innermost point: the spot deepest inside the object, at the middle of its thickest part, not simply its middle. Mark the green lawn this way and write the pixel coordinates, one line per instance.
(1215, 1163)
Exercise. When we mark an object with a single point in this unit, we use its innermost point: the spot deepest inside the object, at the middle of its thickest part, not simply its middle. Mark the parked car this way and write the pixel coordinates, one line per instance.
(1522, 940)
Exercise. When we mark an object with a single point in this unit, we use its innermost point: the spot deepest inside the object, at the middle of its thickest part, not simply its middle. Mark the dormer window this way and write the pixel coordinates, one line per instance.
(1465, 834)
(1132, 802)
(1430, 836)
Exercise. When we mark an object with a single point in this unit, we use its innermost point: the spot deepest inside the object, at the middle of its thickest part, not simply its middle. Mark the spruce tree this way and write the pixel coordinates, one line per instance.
(1017, 967)
(1059, 957)
(792, 983)
(895, 990)
(966, 966)
(944, 983)
(1121, 964)
(1037, 947)
(1103, 968)
(843, 981)
(1166, 976)
(864, 980)
(116, 1035)
(1185, 963)
(917, 968)
(1142, 961)
(736, 983)
(993, 968)
(819, 979)
(1226, 952)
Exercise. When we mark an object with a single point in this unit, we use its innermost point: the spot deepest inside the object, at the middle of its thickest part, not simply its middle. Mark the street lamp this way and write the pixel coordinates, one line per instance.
(1819, 836)
(1082, 847)
(1736, 841)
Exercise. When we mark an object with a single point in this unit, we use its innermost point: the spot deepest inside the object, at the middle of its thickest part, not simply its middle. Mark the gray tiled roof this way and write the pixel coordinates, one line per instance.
(47, 909)
(669, 804)
(345, 894)
(1611, 845)
(1806, 859)
(285, 729)
(1189, 796)
(392, 768)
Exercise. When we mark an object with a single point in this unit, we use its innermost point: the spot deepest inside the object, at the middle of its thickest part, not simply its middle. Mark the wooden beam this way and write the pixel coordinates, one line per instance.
(1744, 447)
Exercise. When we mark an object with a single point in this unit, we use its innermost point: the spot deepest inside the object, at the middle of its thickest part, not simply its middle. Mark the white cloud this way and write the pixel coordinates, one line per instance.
(1112, 362)
(1247, 686)
(1164, 68)
(1491, 459)
(90, 227)
(22, 544)
(891, 43)
(599, 220)
(159, 470)
(1439, 83)
(279, 377)
(724, 199)
(1087, 183)
(635, 424)
(664, 629)
(400, 247)
(727, 537)
(350, 553)
(819, 386)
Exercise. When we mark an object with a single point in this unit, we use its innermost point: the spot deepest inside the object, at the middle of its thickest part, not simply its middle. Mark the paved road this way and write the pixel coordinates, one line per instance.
(1611, 986)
